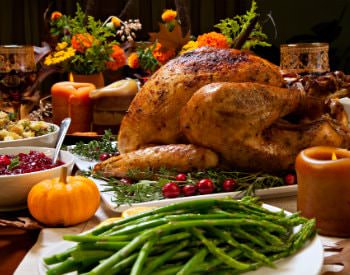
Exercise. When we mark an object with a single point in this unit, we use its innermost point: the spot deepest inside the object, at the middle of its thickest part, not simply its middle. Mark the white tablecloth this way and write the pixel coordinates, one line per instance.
(51, 236)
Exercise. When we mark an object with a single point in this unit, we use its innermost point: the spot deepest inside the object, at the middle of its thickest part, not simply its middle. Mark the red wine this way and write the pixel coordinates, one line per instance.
(13, 84)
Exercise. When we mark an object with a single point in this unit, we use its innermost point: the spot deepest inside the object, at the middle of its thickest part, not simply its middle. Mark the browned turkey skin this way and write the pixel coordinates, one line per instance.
(153, 116)
(229, 105)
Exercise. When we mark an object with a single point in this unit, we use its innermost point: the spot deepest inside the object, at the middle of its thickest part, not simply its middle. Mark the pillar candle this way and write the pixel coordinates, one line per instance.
(71, 99)
(324, 188)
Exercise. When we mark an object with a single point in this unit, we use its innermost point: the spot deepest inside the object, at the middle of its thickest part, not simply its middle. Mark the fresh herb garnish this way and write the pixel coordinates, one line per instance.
(92, 150)
(150, 187)
(14, 163)
(232, 28)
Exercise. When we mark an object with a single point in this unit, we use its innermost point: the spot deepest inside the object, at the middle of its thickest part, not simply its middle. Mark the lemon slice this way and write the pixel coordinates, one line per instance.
(110, 220)
(136, 210)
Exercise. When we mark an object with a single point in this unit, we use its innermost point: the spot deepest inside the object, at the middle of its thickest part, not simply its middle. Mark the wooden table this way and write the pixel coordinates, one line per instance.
(14, 244)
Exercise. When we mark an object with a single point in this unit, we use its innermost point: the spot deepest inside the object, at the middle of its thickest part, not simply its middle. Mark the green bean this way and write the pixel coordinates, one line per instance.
(102, 246)
(141, 259)
(164, 257)
(81, 256)
(168, 270)
(66, 266)
(59, 257)
(174, 237)
(122, 265)
(247, 251)
(232, 236)
(219, 252)
(88, 238)
(193, 263)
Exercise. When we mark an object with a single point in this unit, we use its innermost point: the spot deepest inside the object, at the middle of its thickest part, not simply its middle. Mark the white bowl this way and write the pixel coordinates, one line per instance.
(14, 189)
(47, 140)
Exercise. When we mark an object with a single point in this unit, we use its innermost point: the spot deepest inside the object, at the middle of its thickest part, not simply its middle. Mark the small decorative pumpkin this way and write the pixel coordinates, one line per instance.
(64, 201)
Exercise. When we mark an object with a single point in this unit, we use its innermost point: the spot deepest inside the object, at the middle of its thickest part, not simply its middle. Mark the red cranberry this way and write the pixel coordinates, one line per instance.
(171, 190)
(228, 185)
(32, 162)
(189, 190)
(290, 179)
(126, 181)
(4, 160)
(104, 156)
(205, 186)
(181, 177)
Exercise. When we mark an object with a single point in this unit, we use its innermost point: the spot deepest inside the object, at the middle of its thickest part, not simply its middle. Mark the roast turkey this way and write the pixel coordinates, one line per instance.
(231, 106)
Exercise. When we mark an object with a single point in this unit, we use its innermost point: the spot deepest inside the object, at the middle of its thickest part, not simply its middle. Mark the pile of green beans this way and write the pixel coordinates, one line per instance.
(194, 237)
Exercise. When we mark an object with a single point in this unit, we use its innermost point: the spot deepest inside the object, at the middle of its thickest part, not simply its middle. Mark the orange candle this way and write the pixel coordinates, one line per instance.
(71, 99)
(324, 188)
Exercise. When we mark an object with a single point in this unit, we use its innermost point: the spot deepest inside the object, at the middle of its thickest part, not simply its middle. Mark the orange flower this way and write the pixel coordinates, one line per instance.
(119, 58)
(55, 15)
(82, 41)
(116, 21)
(213, 39)
(169, 15)
(133, 61)
(163, 54)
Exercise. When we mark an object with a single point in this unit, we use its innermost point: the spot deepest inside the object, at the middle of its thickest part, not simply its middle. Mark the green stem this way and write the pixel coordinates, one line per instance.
(193, 263)
(219, 252)
(141, 259)
(164, 257)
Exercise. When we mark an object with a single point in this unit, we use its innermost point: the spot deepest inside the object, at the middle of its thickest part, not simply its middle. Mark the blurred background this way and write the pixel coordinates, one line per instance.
(23, 22)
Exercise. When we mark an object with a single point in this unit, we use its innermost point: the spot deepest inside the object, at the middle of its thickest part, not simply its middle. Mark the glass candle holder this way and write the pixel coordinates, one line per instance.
(304, 58)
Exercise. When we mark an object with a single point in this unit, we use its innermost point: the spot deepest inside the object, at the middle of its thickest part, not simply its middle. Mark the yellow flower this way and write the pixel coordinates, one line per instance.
(59, 56)
(169, 15)
(61, 46)
(116, 21)
(189, 46)
(133, 61)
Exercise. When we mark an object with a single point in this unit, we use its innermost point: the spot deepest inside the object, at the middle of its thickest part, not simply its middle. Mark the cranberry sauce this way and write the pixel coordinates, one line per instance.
(26, 163)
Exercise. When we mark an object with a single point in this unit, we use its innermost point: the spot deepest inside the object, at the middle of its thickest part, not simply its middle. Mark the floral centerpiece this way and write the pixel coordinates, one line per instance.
(241, 31)
(87, 46)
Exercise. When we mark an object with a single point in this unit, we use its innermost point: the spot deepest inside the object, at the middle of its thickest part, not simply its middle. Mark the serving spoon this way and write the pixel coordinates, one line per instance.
(61, 134)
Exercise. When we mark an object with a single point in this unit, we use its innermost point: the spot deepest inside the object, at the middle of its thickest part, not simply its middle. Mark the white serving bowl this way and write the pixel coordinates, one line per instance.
(48, 140)
(14, 189)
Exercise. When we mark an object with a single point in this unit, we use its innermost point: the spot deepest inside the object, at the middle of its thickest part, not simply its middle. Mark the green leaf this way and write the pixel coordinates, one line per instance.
(14, 163)
(233, 27)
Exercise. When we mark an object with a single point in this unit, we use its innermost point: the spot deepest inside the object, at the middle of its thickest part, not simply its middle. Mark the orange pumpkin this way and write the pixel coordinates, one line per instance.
(64, 201)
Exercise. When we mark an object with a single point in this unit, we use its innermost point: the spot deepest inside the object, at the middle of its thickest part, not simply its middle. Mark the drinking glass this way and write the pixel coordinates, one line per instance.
(17, 75)
(304, 58)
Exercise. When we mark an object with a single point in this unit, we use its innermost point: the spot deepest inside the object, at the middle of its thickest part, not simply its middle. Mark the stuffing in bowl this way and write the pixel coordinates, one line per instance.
(25, 132)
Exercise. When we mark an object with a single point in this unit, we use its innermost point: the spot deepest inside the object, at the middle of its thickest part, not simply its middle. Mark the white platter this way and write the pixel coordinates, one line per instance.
(275, 192)
(307, 261)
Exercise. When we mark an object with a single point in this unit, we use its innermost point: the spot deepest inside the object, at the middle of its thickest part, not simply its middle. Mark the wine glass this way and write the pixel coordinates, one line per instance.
(17, 75)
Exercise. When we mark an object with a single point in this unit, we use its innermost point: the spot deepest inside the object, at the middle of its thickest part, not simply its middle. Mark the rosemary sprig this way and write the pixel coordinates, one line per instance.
(150, 187)
(92, 150)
